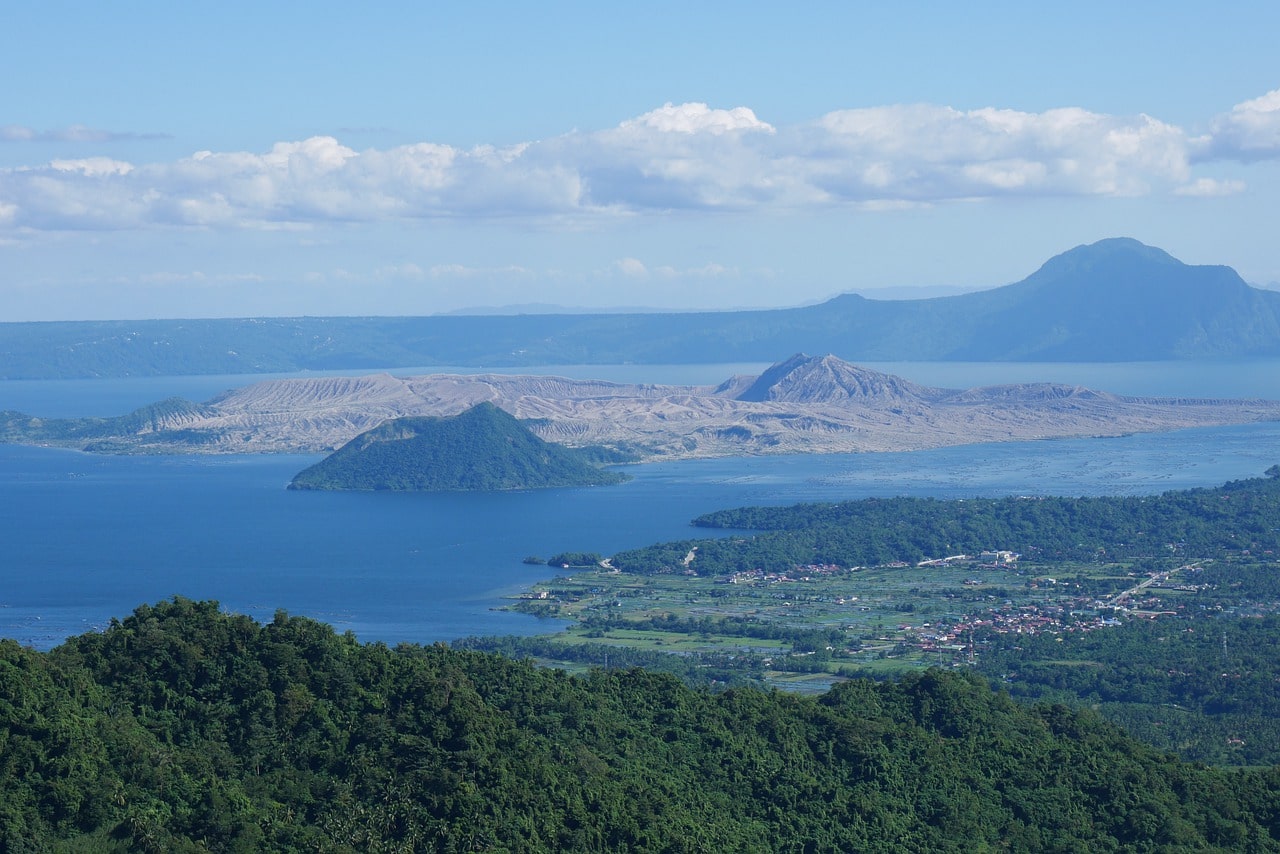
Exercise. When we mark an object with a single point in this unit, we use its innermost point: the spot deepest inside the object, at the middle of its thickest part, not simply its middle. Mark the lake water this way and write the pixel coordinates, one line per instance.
(84, 538)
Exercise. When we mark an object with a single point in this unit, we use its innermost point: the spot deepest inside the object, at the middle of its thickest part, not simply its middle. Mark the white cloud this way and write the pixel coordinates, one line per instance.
(930, 153)
(1250, 131)
(93, 167)
(686, 156)
(710, 270)
(697, 118)
(1209, 187)
(631, 267)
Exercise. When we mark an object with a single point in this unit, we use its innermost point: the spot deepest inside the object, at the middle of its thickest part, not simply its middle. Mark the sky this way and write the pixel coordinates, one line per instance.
(163, 159)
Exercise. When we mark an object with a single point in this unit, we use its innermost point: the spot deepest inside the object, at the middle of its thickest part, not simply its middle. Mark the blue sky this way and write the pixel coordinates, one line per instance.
(164, 160)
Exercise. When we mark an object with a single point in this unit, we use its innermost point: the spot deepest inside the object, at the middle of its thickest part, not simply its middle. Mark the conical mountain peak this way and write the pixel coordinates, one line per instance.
(828, 379)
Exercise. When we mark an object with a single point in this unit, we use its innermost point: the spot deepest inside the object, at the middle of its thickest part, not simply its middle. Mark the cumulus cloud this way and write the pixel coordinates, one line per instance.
(1249, 132)
(631, 267)
(697, 118)
(930, 153)
(93, 166)
(677, 157)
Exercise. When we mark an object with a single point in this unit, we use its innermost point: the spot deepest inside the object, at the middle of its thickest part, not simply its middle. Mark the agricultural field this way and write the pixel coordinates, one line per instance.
(1160, 613)
(819, 622)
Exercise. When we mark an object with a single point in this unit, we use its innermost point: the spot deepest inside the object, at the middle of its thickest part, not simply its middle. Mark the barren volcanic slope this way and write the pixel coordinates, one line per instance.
(802, 405)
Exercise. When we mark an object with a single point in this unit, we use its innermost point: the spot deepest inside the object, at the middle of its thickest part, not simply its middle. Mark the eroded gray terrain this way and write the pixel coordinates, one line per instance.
(803, 405)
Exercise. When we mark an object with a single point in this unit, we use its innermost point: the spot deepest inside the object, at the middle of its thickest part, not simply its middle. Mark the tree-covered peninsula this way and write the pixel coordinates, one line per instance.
(1181, 524)
(482, 449)
(182, 728)
(1161, 613)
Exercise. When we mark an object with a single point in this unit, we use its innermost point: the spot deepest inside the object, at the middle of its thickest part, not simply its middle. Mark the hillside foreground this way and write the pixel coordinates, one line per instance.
(182, 728)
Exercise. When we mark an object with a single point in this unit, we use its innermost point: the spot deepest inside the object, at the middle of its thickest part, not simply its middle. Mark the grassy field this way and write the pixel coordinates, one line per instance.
(812, 625)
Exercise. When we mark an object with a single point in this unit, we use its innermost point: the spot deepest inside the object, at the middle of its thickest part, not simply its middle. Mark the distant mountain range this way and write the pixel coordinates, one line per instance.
(1115, 300)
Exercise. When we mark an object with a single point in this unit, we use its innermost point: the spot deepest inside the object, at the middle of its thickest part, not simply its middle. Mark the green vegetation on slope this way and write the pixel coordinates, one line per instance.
(483, 448)
(1200, 523)
(1158, 612)
(185, 729)
(1205, 688)
(159, 419)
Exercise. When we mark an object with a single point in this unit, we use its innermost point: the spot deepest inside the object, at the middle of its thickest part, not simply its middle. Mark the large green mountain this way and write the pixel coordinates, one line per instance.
(1115, 300)
(181, 728)
(483, 448)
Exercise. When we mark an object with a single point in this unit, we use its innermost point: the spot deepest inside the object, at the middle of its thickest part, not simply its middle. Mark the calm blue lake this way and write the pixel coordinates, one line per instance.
(84, 538)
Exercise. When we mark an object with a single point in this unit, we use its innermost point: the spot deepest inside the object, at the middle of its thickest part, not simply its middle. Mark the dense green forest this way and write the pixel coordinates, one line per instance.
(1205, 688)
(483, 448)
(1202, 523)
(182, 728)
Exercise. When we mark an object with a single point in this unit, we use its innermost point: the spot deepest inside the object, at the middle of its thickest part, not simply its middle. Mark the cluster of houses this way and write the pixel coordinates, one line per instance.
(992, 559)
(957, 638)
(988, 560)
(800, 573)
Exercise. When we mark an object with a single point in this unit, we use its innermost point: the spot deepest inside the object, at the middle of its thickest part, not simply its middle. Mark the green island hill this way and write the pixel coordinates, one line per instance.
(481, 449)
